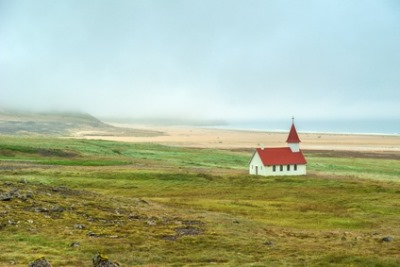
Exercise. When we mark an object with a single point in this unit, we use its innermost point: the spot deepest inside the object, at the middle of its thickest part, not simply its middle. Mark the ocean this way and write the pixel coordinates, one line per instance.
(365, 126)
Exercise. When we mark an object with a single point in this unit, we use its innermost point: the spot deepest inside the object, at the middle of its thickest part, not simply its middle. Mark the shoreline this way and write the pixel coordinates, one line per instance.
(370, 126)
(239, 129)
(301, 132)
(204, 137)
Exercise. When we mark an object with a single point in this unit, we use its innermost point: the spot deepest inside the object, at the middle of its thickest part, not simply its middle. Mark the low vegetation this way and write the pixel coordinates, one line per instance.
(153, 205)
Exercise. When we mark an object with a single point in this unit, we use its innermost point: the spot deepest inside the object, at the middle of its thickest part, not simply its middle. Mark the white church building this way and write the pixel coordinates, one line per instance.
(280, 161)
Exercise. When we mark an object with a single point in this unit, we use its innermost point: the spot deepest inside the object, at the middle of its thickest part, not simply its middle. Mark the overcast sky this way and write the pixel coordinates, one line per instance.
(208, 59)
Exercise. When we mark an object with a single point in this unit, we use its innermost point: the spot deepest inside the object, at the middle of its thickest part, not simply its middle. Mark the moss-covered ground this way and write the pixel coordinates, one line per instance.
(153, 205)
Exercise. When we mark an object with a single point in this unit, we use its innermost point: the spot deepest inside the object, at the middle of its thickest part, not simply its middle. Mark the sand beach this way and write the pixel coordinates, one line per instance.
(240, 139)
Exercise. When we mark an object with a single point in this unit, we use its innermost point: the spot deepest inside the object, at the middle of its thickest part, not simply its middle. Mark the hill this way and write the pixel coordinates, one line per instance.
(61, 124)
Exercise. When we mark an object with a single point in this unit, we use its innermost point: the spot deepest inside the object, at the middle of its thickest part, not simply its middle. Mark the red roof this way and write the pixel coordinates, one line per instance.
(280, 156)
(293, 137)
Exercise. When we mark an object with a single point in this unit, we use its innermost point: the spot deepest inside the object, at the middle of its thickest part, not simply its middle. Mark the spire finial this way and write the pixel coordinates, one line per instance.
(292, 119)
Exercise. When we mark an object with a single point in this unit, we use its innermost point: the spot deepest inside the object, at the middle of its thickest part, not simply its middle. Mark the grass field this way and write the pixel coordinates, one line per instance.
(153, 205)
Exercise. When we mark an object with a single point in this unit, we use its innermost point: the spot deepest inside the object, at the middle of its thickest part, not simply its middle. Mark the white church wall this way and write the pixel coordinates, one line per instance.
(256, 167)
(269, 170)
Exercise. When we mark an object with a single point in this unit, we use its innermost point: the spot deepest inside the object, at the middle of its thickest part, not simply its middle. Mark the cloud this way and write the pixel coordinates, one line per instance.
(207, 59)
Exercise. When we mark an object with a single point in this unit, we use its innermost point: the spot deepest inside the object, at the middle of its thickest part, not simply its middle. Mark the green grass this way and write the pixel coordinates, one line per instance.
(102, 153)
(360, 167)
(138, 199)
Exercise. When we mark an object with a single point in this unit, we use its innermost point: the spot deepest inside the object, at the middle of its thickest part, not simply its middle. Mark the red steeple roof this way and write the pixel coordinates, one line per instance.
(293, 137)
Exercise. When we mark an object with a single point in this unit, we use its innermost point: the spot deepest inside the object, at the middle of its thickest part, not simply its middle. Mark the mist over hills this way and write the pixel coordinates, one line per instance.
(17, 122)
(167, 121)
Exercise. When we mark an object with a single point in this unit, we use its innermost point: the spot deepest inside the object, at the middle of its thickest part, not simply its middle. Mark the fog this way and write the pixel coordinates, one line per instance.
(204, 59)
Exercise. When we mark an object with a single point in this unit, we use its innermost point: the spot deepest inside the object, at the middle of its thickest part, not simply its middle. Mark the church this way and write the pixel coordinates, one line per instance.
(280, 161)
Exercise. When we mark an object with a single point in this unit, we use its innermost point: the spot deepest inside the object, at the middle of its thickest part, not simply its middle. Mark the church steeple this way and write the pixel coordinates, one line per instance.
(293, 139)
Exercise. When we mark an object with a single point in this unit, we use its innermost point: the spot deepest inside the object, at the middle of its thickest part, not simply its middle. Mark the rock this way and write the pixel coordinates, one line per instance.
(183, 231)
(102, 261)
(40, 209)
(29, 195)
(75, 244)
(14, 193)
(387, 239)
(10, 195)
(6, 197)
(79, 226)
(269, 243)
(12, 222)
(92, 234)
(23, 181)
(57, 209)
(151, 223)
(41, 262)
(25, 197)
(133, 216)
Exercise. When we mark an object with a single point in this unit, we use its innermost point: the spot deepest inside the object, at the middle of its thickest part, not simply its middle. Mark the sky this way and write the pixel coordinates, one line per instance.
(202, 59)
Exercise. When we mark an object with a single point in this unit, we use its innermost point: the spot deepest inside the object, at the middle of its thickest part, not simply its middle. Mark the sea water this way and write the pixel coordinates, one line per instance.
(364, 126)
